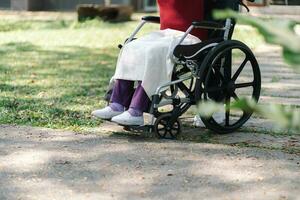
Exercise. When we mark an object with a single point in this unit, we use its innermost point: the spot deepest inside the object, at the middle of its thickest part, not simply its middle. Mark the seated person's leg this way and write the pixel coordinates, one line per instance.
(140, 103)
(120, 100)
(122, 95)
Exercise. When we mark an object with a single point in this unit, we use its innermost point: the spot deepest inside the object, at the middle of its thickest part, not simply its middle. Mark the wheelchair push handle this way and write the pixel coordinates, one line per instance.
(151, 19)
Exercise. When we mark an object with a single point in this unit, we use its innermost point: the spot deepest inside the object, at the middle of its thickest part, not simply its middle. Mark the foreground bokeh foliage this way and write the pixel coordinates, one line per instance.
(278, 32)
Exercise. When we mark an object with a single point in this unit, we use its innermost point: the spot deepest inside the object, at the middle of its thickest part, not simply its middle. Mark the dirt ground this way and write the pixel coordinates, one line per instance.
(45, 164)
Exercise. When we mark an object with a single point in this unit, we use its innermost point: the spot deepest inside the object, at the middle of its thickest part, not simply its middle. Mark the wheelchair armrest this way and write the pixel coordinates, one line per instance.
(208, 25)
(151, 19)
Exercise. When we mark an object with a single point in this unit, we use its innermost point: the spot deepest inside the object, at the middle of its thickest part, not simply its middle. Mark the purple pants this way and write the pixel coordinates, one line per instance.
(125, 94)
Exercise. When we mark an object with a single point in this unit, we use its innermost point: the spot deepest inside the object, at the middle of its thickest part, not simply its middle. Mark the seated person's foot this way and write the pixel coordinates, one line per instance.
(218, 117)
(198, 122)
(130, 118)
(108, 112)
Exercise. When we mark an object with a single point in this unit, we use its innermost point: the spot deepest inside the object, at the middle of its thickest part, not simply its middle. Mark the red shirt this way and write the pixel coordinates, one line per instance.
(179, 15)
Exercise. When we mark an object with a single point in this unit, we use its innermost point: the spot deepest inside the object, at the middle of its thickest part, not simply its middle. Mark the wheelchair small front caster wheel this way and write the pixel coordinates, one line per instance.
(165, 129)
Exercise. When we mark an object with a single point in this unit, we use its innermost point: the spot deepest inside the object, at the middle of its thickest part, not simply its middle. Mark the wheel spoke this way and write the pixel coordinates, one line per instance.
(171, 134)
(165, 134)
(214, 89)
(234, 95)
(161, 129)
(227, 112)
(240, 69)
(175, 126)
(243, 85)
(164, 123)
(220, 74)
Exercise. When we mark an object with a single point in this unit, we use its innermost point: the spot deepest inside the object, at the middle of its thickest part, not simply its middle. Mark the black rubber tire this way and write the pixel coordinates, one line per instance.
(206, 72)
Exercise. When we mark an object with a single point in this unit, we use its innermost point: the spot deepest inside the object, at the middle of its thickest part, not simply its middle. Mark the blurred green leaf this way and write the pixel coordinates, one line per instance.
(284, 116)
(274, 32)
(209, 108)
(248, 105)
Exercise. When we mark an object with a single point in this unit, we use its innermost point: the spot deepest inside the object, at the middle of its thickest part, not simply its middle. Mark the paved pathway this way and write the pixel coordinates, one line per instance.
(280, 84)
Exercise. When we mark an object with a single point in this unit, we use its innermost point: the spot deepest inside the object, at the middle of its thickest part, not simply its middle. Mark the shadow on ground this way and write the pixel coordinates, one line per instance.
(46, 164)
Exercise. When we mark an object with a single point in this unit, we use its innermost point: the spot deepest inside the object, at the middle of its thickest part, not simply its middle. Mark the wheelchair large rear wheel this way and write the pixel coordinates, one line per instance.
(229, 73)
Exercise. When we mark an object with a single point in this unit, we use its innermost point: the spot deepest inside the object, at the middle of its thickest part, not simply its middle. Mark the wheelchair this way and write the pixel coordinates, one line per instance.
(212, 70)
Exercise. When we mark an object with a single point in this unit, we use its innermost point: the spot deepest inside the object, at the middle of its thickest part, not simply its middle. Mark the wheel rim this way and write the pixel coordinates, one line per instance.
(228, 85)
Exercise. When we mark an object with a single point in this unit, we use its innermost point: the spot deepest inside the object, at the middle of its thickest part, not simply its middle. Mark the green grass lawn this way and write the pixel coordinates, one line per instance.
(54, 73)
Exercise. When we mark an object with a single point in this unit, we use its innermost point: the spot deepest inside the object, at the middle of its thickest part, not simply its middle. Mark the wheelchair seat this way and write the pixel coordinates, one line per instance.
(194, 51)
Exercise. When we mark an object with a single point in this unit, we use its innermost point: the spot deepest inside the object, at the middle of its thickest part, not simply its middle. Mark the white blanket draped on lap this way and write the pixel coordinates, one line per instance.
(149, 58)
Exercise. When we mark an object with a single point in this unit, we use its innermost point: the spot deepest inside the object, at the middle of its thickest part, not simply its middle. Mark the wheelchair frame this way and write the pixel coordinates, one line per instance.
(170, 123)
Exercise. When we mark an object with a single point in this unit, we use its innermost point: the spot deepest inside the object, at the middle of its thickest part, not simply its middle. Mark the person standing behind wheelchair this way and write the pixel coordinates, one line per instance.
(148, 60)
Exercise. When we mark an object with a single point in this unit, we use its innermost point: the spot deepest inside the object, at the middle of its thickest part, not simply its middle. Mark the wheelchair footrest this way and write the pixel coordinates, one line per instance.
(139, 129)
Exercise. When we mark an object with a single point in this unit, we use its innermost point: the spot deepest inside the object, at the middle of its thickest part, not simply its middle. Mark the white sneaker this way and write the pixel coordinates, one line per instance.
(106, 113)
(127, 119)
(198, 122)
(219, 118)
